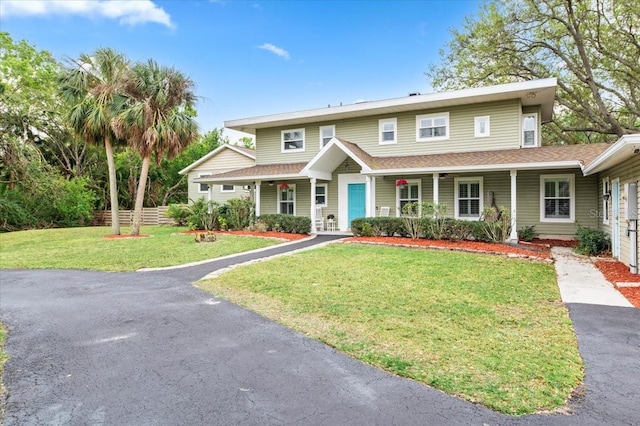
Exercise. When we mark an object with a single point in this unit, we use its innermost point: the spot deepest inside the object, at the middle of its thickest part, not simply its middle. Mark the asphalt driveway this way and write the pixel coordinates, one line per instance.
(149, 348)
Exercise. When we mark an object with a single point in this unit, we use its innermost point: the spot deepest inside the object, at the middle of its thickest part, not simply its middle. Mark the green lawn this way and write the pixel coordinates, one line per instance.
(489, 329)
(86, 248)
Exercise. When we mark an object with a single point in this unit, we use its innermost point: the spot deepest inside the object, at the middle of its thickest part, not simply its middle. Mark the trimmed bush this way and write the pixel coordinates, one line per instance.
(380, 226)
(527, 233)
(286, 223)
(592, 242)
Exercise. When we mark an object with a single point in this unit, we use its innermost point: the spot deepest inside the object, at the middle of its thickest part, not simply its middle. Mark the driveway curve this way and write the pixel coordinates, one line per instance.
(148, 348)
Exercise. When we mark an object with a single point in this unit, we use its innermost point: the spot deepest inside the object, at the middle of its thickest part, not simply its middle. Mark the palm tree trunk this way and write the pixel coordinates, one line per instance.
(142, 183)
(113, 186)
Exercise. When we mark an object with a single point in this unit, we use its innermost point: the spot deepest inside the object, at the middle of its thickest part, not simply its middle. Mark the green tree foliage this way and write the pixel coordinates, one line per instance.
(94, 85)
(592, 47)
(156, 119)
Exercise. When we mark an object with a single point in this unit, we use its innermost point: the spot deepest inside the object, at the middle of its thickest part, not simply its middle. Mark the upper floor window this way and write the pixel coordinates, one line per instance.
(529, 130)
(287, 199)
(293, 140)
(432, 127)
(557, 198)
(321, 195)
(203, 188)
(468, 202)
(326, 134)
(409, 193)
(228, 188)
(388, 130)
(482, 127)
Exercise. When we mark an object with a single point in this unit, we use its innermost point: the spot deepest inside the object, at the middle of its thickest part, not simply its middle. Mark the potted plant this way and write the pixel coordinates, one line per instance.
(283, 186)
(401, 183)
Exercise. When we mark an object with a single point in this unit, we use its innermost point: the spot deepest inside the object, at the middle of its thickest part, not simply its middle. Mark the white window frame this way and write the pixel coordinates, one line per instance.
(326, 194)
(279, 198)
(478, 121)
(572, 198)
(536, 142)
(222, 190)
(333, 134)
(282, 144)
(470, 179)
(419, 118)
(381, 124)
(201, 175)
(606, 187)
(409, 183)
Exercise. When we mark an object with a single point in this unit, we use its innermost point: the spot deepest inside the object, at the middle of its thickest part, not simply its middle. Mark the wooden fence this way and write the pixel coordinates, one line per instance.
(150, 216)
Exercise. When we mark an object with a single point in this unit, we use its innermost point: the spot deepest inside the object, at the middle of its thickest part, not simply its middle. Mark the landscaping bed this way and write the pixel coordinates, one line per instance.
(617, 272)
(520, 250)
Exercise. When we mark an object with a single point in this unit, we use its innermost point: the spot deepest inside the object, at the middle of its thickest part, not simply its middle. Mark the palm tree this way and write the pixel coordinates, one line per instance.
(157, 119)
(93, 84)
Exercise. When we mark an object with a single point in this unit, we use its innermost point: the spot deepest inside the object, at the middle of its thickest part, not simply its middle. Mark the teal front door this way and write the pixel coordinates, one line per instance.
(356, 200)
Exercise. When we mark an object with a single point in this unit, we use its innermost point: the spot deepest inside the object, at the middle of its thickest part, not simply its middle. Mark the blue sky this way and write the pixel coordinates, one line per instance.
(251, 58)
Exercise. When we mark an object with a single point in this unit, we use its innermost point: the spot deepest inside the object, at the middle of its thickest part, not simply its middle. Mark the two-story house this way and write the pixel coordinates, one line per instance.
(467, 149)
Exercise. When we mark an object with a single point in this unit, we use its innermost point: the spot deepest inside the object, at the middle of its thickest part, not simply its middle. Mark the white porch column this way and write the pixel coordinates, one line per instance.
(436, 187)
(256, 195)
(373, 196)
(367, 197)
(514, 230)
(312, 214)
(209, 192)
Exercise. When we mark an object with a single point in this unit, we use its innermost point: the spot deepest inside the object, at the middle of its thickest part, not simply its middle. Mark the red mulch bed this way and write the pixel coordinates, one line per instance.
(617, 272)
(472, 246)
(270, 234)
(555, 243)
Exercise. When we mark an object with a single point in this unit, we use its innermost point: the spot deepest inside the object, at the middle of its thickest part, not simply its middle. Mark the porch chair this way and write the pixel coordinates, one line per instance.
(384, 211)
(319, 219)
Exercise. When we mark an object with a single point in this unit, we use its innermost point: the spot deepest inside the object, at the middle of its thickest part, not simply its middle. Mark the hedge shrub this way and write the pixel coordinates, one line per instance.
(286, 223)
(592, 241)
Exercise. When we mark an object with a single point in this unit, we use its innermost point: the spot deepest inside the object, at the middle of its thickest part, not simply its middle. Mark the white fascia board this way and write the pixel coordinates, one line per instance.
(334, 142)
(213, 154)
(407, 103)
(213, 179)
(612, 155)
(481, 168)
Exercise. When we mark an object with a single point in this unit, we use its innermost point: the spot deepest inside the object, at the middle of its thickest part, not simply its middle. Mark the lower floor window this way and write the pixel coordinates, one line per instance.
(287, 200)
(321, 195)
(228, 188)
(557, 197)
(409, 193)
(468, 198)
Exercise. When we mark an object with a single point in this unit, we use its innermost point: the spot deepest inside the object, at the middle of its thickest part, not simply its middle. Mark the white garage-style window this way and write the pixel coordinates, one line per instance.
(557, 198)
(287, 199)
(409, 193)
(432, 127)
(292, 140)
(468, 198)
(203, 188)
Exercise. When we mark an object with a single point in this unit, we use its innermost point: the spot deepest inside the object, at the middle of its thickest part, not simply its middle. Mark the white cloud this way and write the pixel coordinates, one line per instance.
(275, 49)
(129, 12)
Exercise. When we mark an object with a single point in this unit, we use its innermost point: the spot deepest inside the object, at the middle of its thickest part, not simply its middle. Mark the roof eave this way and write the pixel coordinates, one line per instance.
(479, 168)
(613, 155)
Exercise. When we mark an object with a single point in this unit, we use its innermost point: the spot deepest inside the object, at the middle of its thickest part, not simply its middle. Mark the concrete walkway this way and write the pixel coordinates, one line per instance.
(581, 282)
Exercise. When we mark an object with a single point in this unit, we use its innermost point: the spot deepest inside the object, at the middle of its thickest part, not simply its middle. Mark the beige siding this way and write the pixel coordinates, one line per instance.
(504, 125)
(226, 160)
(628, 171)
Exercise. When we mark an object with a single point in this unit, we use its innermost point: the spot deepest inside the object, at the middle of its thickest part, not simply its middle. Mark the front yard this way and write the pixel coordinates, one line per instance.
(87, 248)
(489, 329)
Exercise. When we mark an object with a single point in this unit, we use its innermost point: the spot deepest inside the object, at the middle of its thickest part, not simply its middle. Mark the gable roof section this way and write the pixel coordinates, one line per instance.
(546, 157)
(258, 172)
(623, 149)
(332, 155)
(533, 92)
(239, 149)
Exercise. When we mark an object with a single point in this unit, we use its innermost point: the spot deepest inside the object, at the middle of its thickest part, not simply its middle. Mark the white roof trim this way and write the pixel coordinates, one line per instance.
(213, 154)
(334, 141)
(479, 168)
(544, 89)
(213, 179)
(613, 155)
